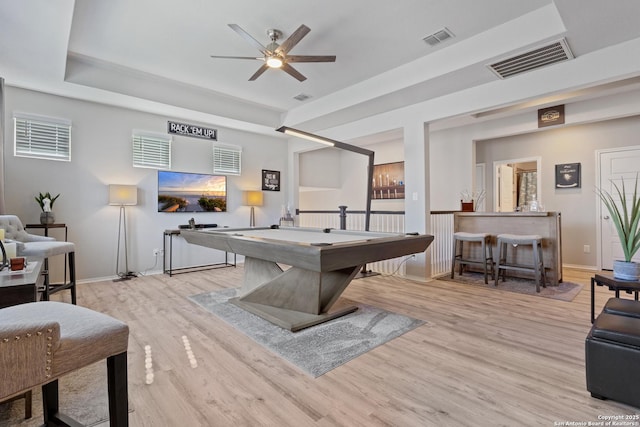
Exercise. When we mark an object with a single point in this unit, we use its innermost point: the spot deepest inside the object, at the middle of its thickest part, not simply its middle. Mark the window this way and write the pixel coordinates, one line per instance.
(151, 150)
(227, 159)
(42, 137)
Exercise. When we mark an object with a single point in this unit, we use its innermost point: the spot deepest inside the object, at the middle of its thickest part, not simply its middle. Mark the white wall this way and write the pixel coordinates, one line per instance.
(326, 186)
(101, 155)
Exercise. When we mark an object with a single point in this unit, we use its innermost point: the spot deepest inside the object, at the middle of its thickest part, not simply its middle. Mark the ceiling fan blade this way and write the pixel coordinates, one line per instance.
(293, 39)
(249, 38)
(238, 57)
(311, 58)
(292, 71)
(258, 73)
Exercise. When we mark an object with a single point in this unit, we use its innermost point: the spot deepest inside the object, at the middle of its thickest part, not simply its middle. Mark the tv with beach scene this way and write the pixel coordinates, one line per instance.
(191, 192)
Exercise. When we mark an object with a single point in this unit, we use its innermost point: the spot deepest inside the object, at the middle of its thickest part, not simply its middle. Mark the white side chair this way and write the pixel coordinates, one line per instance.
(34, 246)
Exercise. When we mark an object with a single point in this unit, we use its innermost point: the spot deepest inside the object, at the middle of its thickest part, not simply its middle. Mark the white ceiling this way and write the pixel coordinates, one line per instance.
(155, 54)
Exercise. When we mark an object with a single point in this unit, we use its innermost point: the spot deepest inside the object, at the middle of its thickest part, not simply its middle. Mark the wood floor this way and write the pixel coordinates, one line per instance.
(484, 358)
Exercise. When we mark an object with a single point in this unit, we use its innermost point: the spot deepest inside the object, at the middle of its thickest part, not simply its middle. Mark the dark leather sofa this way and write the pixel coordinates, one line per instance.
(612, 353)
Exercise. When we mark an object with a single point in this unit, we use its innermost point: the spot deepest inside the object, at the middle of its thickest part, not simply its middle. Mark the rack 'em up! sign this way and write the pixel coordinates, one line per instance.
(192, 130)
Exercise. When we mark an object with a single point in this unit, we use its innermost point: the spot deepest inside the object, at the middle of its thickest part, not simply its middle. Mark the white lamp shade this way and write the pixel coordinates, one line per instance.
(253, 198)
(123, 195)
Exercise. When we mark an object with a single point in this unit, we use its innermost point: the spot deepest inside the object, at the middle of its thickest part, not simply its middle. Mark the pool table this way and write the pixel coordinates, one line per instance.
(322, 263)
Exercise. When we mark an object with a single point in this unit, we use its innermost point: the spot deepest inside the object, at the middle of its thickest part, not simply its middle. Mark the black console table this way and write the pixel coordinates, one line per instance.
(607, 279)
(168, 235)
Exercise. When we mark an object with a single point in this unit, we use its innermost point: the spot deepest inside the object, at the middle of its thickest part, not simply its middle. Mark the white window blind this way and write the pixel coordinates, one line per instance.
(151, 150)
(227, 159)
(42, 137)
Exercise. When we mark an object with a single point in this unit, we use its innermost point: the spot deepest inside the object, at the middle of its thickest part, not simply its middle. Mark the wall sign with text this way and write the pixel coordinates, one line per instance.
(270, 180)
(568, 175)
(192, 130)
(551, 116)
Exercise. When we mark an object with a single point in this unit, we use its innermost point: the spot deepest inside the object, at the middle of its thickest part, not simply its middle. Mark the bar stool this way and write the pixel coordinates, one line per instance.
(486, 257)
(537, 265)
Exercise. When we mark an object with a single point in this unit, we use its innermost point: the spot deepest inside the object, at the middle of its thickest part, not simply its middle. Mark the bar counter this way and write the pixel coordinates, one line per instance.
(545, 224)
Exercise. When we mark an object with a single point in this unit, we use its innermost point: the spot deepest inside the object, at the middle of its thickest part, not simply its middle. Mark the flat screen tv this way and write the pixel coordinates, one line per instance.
(191, 192)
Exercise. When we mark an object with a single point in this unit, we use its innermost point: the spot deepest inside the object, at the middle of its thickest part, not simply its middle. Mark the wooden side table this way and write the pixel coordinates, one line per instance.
(617, 285)
(46, 228)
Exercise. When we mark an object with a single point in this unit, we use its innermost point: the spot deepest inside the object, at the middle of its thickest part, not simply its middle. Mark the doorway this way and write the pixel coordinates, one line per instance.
(516, 183)
(614, 165)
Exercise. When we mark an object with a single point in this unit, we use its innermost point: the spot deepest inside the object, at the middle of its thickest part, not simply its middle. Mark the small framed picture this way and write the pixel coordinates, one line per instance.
(270, 180)
(568, 175)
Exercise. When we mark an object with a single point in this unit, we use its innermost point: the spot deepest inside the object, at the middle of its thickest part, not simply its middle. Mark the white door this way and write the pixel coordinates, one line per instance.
(505, 188)
(614, 166)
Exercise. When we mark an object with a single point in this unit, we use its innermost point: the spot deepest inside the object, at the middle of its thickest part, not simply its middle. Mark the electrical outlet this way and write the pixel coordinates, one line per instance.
(586, 249)
(157, 252)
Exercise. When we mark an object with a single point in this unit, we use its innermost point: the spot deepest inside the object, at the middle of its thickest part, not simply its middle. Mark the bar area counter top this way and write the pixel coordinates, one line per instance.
(545, 224)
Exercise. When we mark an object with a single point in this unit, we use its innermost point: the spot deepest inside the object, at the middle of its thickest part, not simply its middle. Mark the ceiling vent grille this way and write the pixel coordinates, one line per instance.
(438, 37)
(302, 97)
(540, 57)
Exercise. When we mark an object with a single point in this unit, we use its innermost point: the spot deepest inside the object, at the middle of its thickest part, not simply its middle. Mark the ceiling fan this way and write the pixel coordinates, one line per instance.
(275, 55)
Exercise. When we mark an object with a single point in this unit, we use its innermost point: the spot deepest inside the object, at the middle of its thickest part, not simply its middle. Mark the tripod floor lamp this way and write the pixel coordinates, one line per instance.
(123, 195)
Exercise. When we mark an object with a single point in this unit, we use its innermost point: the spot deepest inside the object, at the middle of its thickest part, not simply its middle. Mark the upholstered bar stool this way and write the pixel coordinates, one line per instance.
(41, 247)
(486, 252)
(42, 341)
(517, 240)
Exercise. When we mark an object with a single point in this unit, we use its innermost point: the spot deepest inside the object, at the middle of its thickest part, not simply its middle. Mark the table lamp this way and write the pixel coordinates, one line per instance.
(252, 198)
(123, 195)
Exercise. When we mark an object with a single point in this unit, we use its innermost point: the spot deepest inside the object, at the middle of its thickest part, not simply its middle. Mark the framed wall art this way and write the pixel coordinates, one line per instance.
(388, 181)
(568, 175)
(270, 180)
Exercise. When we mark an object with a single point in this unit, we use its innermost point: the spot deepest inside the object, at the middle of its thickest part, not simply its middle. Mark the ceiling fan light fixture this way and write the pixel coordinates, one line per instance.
(274, 61)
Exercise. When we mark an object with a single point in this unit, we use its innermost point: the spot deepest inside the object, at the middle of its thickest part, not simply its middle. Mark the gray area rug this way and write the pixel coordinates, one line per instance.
(318, 349)
(565, 291)
(83, 397)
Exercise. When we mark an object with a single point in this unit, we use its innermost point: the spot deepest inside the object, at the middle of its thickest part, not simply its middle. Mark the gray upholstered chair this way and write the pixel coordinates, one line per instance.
(42, 341)
(34, 246)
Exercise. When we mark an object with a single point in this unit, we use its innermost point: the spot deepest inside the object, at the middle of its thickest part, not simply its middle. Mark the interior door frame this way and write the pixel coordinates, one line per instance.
(598, 179)
(497, 163)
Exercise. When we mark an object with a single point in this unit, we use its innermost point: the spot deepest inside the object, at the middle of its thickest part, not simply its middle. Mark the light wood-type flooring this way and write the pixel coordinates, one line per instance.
(484, 358)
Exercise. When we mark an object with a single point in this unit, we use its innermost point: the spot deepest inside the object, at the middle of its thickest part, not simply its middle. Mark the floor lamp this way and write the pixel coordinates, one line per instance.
(123, 195)
(253, 198)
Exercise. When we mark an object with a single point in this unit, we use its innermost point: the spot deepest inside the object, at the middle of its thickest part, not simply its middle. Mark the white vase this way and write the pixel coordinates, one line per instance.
(626, 270)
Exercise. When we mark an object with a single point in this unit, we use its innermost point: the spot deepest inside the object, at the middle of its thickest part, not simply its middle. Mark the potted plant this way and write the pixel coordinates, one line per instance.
(46, 204)
(625, 214)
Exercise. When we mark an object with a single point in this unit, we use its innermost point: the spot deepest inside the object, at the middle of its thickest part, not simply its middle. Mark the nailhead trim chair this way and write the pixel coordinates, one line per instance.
(34, 246)
(42, 341)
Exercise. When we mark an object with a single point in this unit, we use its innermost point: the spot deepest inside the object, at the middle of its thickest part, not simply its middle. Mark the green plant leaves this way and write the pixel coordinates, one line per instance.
(625, 215)
(40, 199)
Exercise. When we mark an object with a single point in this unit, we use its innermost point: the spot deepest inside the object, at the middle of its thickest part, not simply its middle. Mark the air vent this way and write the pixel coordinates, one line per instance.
(438, 37)
(302, 97)
(540, 57)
